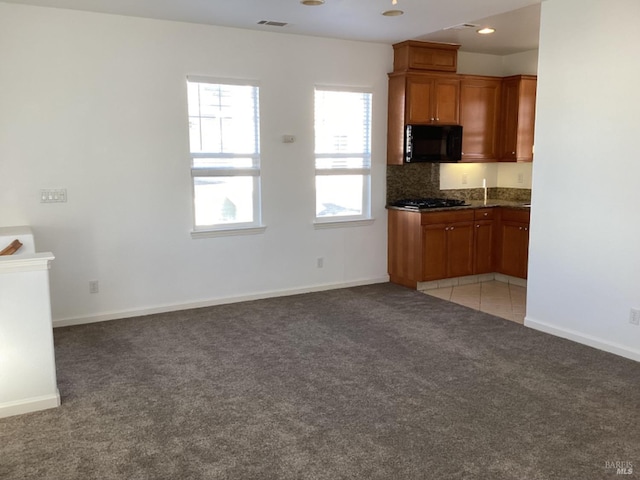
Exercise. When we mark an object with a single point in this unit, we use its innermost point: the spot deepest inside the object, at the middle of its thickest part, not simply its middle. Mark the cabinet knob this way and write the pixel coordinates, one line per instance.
(526, 229)
(486, 213)
(513, 153)
(451, 228)
(519, 228)
(477, 226)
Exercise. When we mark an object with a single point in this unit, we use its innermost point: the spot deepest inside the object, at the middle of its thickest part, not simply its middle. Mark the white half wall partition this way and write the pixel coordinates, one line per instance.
(27, 362)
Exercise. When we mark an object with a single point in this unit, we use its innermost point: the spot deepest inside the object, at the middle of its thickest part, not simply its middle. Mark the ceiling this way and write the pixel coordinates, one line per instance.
(516, 21)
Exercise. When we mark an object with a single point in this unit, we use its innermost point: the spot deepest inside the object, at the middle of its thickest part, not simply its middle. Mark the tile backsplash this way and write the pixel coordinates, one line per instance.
(413, 180)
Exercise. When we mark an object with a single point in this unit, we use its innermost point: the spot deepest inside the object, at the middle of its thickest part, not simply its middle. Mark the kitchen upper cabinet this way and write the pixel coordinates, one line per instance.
(518, 118)
(514, 243)
(432, 100)
(413, 55)
(416, 98)
(480, 117)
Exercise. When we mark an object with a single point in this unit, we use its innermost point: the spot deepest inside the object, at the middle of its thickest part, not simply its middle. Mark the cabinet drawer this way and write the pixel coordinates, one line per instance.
(483, 214)
(434, 218)
(515, 215)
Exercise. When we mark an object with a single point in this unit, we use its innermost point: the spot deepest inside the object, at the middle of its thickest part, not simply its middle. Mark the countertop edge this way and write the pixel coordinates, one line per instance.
(472, 205)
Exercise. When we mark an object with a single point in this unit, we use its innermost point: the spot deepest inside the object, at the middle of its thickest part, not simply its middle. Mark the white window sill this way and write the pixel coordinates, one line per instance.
(320, 225)
(227, 232)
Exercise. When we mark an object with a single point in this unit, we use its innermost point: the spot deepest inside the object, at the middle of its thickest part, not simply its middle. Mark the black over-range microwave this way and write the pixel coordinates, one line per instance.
(432, 143)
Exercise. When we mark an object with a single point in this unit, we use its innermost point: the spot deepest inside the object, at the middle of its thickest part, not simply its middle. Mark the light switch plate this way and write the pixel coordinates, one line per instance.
(57, 195)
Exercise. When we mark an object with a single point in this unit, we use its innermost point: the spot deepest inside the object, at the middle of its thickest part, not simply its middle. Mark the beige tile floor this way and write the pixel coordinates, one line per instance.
(497, 298)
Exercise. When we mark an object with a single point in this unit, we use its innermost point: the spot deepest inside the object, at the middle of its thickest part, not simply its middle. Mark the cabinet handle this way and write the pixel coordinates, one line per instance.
(486, 213)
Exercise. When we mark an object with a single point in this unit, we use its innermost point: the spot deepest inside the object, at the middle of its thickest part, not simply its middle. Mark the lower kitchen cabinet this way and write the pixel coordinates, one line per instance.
(426, 246)
(513, 243)
(483, 239)
(447, 244)
(430, 246)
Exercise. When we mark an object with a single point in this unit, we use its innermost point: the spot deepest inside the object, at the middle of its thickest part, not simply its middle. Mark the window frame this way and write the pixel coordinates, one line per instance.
(255, 172)
(345, 220)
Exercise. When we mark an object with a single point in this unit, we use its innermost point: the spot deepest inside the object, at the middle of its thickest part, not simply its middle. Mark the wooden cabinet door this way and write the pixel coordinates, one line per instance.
(518, 118)
(526, 119)
(446, 101)
(418, 100)
(459, 249)
(434, 250)
(525, 252)
(483, 247)
(514, 243)
(509, 119)
(479, 117)
(432, 100)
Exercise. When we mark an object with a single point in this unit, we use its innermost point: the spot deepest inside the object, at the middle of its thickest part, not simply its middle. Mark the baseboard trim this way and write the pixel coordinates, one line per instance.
(584, 339)
(103, 317)
(28, 405)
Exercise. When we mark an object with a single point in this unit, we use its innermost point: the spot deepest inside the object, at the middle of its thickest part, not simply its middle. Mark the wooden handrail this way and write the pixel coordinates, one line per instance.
(12, 248)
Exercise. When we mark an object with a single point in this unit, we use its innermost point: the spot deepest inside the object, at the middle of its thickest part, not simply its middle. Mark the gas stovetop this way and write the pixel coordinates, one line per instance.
(424, 203)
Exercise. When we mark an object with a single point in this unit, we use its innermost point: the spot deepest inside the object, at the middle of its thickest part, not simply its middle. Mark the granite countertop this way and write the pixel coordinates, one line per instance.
(472, 204)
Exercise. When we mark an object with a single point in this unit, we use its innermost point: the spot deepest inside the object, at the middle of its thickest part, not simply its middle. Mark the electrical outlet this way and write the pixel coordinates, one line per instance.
(634, 317)
(94, 286)
(465, 178)
(320, 262)
(521, 178)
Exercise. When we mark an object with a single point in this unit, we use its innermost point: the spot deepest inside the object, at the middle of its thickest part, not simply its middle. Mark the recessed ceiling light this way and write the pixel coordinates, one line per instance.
(392, 13)
(312, 3)
(486, 30)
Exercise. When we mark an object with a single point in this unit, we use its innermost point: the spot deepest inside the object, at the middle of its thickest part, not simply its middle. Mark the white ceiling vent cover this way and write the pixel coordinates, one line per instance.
(272, 23)
(461, 26)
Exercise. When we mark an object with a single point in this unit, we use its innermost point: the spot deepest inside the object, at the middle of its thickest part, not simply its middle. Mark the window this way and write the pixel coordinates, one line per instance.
(343, 154)
(224, 135)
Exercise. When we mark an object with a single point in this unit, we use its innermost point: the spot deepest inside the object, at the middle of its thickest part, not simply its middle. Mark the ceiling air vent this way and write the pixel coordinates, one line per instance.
(272, 23)
(461, 26)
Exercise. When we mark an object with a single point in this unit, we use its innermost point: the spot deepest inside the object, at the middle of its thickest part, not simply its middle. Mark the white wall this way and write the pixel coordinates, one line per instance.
(470, 63)
(523, 63)
(97, 104)
(505, 175)
(467, 175)
(584, 250)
